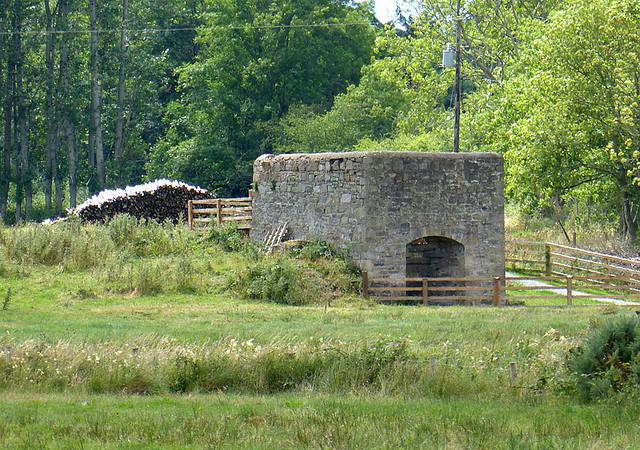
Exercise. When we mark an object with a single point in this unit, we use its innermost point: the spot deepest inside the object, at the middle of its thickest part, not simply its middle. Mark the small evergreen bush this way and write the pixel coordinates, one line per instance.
(609, 361)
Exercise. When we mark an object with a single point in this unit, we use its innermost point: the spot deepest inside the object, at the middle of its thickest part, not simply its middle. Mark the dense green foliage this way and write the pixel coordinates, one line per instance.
(95, 96)
(196, 89)
(609, 360)
(248, 76)
(553, 86)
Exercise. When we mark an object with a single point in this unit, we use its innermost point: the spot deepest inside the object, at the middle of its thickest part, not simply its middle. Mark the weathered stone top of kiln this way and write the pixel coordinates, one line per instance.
(268, 159)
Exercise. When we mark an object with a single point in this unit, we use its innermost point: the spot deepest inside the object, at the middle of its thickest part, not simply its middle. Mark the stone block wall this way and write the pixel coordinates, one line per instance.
(376, 203)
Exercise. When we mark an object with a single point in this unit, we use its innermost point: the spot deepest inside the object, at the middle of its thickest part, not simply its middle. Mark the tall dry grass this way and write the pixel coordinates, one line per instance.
(395, 367)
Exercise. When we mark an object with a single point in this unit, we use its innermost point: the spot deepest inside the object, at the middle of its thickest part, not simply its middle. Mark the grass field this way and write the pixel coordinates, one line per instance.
(154, 344)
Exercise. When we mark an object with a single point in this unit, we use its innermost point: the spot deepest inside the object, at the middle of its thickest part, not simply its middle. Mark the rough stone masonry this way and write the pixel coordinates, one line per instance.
(400, 214)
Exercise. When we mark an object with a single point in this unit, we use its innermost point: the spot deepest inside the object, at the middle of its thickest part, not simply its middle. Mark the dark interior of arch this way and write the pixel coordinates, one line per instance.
(435, 257)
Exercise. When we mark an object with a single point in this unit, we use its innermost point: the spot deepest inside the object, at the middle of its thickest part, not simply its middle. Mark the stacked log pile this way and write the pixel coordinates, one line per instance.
(160, 200)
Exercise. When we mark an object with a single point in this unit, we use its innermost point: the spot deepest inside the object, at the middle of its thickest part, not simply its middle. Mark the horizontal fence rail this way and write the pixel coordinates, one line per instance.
(555, 259)
(425, 290)
(203, 214)
(498, 291)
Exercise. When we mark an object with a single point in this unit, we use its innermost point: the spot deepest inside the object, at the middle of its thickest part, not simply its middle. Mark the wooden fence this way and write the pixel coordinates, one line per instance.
(555, 259)
(500, 290)
(202, 214)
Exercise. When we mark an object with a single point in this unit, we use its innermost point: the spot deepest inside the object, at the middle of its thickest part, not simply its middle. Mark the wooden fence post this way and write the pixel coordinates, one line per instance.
(496, 291)
(190, 214)
(547, 259)
(425, 291)
(513, 372)
(219, 211)
(365, 284)
(569, 290)
(434, 365)
(7, 353)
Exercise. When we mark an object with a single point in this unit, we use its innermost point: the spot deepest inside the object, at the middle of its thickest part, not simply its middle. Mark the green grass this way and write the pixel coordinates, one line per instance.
(302, 421)
(548, 299)
(38, 310)
(149, 342)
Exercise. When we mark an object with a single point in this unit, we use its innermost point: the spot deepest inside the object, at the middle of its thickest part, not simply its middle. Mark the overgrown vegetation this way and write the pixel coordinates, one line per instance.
(144, 257)
(156, 312)
(382, 365)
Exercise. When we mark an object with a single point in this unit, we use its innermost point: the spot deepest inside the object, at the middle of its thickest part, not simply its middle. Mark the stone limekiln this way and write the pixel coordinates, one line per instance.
(401, 214)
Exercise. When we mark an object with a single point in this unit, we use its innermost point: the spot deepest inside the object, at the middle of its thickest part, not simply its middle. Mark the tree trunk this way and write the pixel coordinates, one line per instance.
(118, 150)
(23, 141)
(23, 188)
(93, 56)
(52, 152)
(96, 154)
(6, 89)
(102, 176)
(627, 224)
(67, 122)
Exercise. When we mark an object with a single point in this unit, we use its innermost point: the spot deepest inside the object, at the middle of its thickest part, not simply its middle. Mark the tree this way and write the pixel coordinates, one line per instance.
(120, 118)
(575, 113)
(71, 69)
(259, 58)
(404, 99)
(24, 187)
(6, 89)
(66, 109)
(52, 174)
(96, 148)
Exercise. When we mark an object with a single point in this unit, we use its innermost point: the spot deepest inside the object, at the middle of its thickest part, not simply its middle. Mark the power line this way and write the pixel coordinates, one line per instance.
(174, 30)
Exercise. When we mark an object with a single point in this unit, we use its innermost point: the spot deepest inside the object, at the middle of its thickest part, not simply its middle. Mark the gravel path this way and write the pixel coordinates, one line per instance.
(562, 291)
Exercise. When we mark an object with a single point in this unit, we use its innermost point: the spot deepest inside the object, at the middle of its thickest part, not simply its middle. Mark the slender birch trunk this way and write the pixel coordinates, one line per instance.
(96, 152)
(52, 151)
(118, 150)
(67, 121)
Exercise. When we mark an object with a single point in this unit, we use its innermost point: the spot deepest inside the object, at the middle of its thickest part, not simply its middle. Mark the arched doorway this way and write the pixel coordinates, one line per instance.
(435, 257)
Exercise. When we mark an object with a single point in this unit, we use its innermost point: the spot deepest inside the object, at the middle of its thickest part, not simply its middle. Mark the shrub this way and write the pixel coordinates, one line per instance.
(278, 282)
(335, 269)
(210, 374)
(228, 237)
(7, 300)
(315, 250)
(609, 361)
(371, 367)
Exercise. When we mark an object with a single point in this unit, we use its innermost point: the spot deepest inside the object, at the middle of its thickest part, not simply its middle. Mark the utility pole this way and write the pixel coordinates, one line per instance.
(456, 111)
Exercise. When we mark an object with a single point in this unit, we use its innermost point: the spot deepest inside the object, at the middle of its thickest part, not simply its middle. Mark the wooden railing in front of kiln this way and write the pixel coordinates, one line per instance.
(493, 290)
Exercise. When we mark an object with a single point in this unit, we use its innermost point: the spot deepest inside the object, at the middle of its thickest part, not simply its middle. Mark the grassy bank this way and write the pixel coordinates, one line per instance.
(136, 334)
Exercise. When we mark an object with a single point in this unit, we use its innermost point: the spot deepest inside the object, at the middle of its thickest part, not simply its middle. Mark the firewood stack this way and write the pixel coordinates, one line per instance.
(160, 200)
